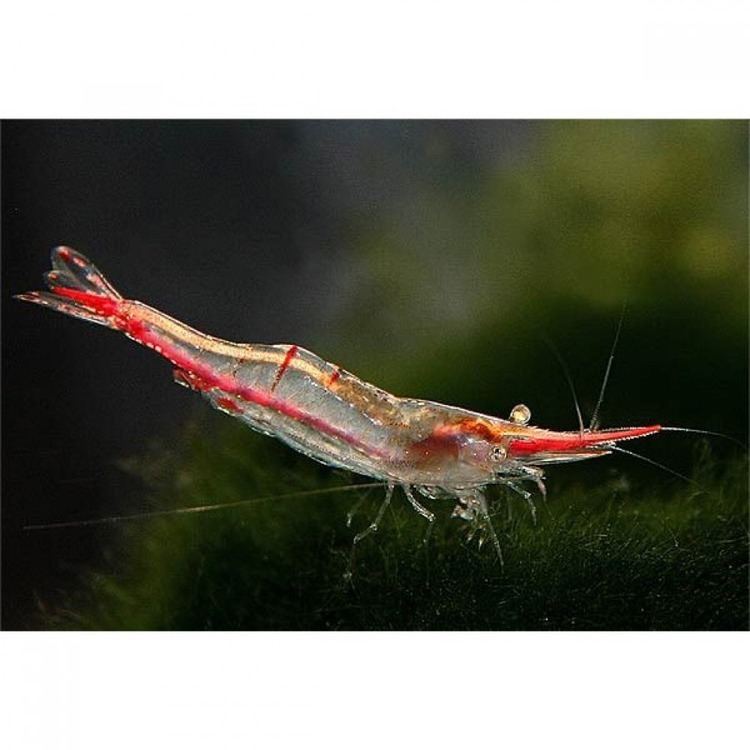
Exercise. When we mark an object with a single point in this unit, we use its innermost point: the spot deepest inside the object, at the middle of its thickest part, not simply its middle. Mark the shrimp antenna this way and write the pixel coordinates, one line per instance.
(704, 432)
(652, 462)
(198, 508)
(569, 379)
(595, 416)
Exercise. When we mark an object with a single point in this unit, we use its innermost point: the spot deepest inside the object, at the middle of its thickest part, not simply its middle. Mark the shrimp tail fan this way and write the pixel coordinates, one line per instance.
(77, 288)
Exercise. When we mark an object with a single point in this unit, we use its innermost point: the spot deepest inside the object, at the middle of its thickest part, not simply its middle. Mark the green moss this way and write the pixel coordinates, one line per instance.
(606, 556)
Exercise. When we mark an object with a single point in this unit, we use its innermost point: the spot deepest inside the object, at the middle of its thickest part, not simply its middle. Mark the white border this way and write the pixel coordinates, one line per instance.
(332, 58)
(354, 690)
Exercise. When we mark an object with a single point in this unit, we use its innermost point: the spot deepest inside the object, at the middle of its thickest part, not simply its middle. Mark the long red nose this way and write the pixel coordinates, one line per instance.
(572, 443)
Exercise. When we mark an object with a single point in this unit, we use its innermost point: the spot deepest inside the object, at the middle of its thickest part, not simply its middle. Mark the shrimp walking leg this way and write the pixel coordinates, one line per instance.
(534, 474)
(373, 527)
(429, 515)
(525, 495)
(473, 507)
(484, 512)
(353, 512)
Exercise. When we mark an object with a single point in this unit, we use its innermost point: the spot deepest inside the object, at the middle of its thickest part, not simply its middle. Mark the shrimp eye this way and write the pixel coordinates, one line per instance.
(499, 453)
(520, 414)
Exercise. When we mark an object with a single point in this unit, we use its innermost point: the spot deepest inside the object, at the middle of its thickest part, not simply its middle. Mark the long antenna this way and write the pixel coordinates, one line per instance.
(568, 377)
(198, 508)
(705, 432)
(652, 462)
(595, 416)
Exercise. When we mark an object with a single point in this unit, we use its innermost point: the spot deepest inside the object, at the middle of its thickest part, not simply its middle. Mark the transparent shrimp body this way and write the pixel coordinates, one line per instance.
(331, 415)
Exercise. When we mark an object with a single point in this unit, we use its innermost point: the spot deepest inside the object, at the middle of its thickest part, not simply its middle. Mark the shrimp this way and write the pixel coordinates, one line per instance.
(428, 449)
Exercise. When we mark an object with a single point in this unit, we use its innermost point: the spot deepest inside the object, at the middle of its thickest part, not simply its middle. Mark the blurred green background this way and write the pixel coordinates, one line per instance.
(455, 269)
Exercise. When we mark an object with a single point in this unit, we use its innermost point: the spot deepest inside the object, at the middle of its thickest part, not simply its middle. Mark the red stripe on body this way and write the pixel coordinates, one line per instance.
(333, 377)
(203, 378)
(290, 355)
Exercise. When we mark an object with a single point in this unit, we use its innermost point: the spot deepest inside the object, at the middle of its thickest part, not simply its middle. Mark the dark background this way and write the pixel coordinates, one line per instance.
(427, 257)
